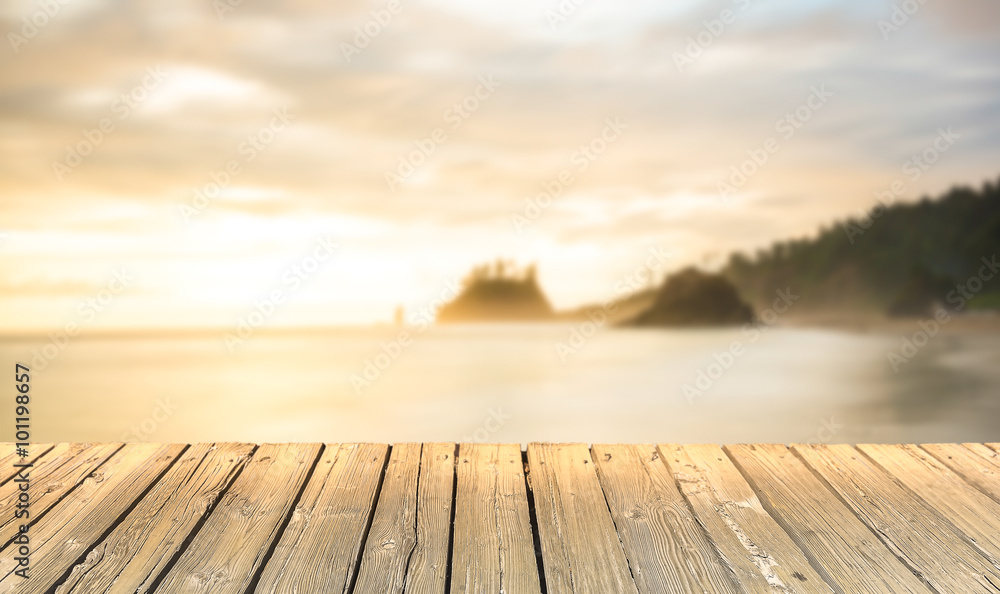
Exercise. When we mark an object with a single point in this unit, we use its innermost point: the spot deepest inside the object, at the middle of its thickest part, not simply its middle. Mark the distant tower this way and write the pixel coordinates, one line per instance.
(399, 315)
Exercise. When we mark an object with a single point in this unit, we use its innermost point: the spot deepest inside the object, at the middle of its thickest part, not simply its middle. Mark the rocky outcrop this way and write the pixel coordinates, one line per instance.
(498, 293)
(694, 298)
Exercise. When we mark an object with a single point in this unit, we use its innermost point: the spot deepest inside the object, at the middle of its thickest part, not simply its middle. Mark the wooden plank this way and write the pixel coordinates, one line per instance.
(581, 552)
(429, 564)
(494, 548)
(141, 547)
(993, 446)
(319, 548)
(9, 457)
(913, 530)
(393, 532)
(55, 474)
(750, 541)
(844, 550)
(73, 526)
(229, 549)
(980, 471)
(667, 549)
(974, 514)
(992, 455)
(863, 520)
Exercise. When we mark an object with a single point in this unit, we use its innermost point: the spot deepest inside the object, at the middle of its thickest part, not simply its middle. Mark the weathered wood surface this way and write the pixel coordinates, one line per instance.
(319, 547)
(147, 540)
(230, 547)
(581, 550)
(914, 531)
(9, 457)
(73, 525)
(846, 552)
(978, 469)
(666, 547)
(473, 518)
(429, 565)
(54, 474)
(393, 534)
(976, 516)
(750, 542)
(494, 549)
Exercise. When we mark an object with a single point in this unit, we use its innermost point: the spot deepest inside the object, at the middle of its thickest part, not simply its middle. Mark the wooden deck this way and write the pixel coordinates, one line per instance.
(483, 519)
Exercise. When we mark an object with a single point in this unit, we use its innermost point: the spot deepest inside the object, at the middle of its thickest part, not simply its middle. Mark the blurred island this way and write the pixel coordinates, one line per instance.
(498, 292)
(501, 292)
(695, 298)
(895, 260)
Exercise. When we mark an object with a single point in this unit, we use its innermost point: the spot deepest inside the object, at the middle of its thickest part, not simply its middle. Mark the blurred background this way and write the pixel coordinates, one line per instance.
(728, 221)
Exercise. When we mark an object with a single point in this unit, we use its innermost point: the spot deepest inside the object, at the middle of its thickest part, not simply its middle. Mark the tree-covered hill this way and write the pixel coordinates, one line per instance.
(498, 293)
(897, 259)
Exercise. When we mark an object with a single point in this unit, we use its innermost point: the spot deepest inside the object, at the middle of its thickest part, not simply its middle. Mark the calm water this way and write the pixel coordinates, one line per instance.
(511, 384)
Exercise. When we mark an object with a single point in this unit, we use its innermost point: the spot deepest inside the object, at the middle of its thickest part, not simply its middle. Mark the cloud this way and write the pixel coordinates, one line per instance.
(355, 119)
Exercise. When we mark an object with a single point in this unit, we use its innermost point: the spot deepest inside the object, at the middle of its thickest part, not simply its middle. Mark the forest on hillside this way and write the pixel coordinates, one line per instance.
(884, 261)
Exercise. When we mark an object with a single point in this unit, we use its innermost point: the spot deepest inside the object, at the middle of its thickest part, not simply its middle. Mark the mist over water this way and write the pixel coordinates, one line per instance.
(511, 384)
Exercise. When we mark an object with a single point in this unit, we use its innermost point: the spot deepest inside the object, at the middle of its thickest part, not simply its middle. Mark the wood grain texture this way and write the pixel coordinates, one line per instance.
(54, 474)
(991, 454)
(914, 531)
(581, 552)
(845, 551)
(319, 548)
(429, 564)
(140, 548)
(230, 547)
(393, 533)
(979, 469)
(667, 549)
(80, 519)
(750, 541)
(973, 513)
(344, 518)
(9, 457)
(494, 549)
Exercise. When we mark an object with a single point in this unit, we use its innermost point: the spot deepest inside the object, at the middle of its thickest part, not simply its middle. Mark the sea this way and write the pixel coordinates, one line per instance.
(513, 384)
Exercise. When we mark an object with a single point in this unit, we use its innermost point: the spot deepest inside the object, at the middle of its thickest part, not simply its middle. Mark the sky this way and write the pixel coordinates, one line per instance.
(186, 163)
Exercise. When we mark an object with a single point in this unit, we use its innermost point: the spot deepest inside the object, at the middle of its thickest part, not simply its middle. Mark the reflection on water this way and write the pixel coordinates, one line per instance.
(513, 384)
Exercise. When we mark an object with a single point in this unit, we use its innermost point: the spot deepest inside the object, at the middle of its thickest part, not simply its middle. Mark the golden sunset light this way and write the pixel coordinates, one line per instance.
(428, 149)
(514, 297)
